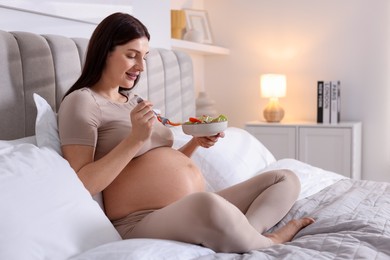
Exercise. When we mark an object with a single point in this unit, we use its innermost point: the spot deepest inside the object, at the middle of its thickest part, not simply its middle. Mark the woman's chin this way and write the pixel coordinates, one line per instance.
(128, 85)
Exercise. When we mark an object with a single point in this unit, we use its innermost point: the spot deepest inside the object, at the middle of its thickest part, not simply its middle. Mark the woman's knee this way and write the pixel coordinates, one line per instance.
(291, 178)
(290, 175)
(213, 210)
(207, 202)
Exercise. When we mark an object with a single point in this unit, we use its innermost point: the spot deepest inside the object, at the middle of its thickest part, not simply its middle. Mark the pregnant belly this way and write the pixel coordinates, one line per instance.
(150, 181)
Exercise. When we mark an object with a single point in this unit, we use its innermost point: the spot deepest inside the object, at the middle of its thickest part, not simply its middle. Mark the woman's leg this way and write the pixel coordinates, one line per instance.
(206, 219)
(210, 220)
(266, 198)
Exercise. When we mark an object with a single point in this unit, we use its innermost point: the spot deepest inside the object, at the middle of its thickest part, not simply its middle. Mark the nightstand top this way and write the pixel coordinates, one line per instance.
(303, 123)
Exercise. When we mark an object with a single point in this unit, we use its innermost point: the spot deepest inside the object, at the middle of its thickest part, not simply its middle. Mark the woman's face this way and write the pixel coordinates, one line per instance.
(125, 63)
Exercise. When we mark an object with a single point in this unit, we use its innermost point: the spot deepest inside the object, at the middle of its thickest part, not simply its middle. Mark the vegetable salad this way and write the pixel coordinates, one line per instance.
(205, 120)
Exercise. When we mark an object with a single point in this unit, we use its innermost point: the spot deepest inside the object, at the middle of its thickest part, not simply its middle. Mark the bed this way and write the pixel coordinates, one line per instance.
(46, 213)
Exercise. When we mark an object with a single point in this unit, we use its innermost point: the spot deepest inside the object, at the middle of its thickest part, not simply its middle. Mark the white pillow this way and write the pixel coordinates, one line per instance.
(46, 213)
(145, 249)
(46, 128)
(233, 159)
(24, 140)
(313, 179)
(46, 131)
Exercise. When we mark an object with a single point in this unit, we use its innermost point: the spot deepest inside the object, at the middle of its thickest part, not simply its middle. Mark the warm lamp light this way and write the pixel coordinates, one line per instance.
(273, 86)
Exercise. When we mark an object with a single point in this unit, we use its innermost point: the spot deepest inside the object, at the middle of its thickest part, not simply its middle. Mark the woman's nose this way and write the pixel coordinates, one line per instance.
(140, 65)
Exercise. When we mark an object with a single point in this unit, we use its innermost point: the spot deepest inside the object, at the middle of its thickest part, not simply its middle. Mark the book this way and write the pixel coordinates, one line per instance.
(326, 103)
(320, 89)
(335, 102)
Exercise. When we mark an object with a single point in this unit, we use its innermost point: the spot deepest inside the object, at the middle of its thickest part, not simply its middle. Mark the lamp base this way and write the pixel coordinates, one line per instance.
(273, 112)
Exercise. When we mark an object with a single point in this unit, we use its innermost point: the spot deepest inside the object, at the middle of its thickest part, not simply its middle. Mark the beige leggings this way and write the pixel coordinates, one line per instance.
(230, 220)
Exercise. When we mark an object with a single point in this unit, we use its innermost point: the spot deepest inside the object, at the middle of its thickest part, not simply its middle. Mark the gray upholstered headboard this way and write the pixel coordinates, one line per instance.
(49, 64)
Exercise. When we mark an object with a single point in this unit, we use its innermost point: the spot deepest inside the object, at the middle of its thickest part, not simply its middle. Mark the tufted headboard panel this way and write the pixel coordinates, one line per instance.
(49, 64)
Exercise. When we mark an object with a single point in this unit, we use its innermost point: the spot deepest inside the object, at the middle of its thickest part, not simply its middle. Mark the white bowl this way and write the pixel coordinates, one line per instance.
(205, 129)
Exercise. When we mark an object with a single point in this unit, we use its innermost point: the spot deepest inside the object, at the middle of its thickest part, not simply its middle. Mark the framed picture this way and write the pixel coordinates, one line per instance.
(198, 20)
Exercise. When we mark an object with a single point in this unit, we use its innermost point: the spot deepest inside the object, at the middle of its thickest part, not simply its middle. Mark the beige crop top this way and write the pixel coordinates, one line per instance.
(87, 118)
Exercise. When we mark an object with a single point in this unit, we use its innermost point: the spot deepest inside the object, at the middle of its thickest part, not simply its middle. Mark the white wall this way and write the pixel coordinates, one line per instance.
(197, 60)
(23, 15)
(157, 17)
(306, 40)
(19, 20)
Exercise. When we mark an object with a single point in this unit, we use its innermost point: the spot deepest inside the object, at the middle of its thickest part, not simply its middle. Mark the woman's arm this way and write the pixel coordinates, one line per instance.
(206, 142)
(97, 175)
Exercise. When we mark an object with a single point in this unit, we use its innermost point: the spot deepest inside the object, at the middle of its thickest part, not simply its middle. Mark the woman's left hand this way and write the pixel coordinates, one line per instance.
(208, 141)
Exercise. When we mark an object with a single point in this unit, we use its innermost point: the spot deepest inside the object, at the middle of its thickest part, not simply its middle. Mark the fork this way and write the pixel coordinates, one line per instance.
(165, 121)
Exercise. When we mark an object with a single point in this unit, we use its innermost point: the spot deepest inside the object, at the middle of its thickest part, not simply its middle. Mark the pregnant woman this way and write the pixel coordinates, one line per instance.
(150, 190)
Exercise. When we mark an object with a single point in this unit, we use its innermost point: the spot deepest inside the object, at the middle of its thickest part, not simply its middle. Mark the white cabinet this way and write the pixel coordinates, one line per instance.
(333, 147)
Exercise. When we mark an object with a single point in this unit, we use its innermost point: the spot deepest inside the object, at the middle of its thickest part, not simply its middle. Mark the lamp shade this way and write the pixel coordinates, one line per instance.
(273, 85)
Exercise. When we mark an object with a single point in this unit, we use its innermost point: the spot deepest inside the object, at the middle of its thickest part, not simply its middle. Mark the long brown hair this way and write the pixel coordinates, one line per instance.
(116, 29)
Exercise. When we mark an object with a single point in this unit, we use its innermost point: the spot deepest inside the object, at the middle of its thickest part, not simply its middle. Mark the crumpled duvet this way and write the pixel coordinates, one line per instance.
(352, 222)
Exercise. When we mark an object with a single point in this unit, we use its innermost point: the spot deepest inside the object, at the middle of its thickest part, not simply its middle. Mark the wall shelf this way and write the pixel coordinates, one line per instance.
(198, 48)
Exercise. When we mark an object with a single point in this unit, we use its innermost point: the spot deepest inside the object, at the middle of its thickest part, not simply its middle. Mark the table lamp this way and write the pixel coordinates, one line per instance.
(273, 86)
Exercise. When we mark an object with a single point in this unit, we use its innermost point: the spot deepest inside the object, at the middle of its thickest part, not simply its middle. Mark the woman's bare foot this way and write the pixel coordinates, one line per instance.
(287, 232)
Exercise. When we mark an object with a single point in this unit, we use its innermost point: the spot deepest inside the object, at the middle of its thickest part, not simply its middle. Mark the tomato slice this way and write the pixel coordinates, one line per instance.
(194, 120)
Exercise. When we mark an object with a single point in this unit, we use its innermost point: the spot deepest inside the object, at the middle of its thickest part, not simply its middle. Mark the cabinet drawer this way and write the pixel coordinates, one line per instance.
(327, 148)
(280, 141)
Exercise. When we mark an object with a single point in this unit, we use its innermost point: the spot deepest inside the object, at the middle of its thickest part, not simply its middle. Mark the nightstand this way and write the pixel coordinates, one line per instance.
(332, 147)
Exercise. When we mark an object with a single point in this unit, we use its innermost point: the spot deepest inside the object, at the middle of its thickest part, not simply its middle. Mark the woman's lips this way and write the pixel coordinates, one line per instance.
(132, 76)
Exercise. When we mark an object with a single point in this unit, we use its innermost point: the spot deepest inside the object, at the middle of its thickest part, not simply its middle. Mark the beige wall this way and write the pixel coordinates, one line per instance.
(306, 40)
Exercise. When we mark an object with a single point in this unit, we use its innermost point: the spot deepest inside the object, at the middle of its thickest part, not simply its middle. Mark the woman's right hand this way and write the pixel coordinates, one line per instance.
(142, 119)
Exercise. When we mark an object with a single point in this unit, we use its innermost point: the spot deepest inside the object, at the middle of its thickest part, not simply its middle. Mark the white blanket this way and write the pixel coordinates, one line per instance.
(352, 222)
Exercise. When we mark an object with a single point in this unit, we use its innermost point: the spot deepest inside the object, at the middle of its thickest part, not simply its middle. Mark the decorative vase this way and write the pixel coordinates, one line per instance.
(205, 105)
